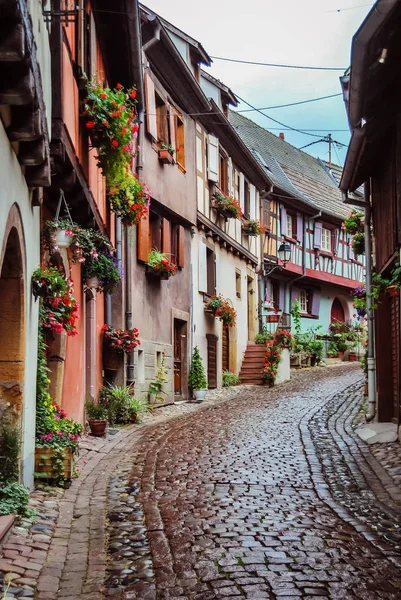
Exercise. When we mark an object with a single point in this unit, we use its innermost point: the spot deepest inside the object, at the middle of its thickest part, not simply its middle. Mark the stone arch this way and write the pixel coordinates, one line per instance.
(12, 322)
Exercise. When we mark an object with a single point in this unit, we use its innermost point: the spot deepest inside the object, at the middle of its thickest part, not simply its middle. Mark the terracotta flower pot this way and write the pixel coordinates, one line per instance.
(165, 157)
(393, 291)
(352, 357)
(98, 427)
(269, 343)
(63, 240)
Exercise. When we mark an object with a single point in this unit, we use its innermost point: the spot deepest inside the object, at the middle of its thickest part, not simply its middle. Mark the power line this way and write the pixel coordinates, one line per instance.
(291, 103)
(262, 64)
(338, 10)
(275, 120)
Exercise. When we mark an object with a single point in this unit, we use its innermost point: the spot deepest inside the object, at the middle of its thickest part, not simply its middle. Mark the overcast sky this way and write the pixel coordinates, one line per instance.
(300, 32)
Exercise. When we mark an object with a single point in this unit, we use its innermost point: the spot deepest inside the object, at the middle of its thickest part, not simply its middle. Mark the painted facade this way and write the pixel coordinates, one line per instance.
(24, 170)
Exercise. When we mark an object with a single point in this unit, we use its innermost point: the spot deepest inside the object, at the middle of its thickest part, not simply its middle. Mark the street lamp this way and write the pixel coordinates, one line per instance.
(284, 253)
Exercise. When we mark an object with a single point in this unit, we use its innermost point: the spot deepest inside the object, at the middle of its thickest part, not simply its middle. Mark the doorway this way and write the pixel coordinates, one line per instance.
(12, 334)
(212, 360)
(337, 312)
(226, 349)
(180, 345)
(251, 308)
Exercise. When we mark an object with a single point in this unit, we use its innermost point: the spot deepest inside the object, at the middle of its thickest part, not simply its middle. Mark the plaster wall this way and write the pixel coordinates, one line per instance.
(13, 191)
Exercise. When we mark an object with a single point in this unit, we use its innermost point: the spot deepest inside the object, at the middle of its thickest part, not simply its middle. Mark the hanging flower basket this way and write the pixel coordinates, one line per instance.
(129, 199)
(253, 227)
(358, 244)
(64, 238)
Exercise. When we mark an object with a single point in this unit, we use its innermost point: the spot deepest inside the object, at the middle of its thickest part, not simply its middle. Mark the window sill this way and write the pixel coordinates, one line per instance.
(308, 316)
(181, 168)
(291, 239)
(326, 253)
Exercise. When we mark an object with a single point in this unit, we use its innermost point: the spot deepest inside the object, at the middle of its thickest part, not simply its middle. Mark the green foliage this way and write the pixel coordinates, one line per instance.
(159, 261)
(137, 407)
(129, 199)
(315, 348)
(168, 147)
(49, 282)
(353, 224)
(333, 349)
(197, 377)
(14, 499)
(161, 376)
(364, 363)
(119, 403)
(264, 336)
(95, 411)
(296, 317)
(9, 453)
(105, 268)
(230, 378)
(358, 243)
(271, 363)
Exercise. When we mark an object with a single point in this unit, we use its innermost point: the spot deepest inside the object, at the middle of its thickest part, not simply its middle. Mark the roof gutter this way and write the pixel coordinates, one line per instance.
(360, 43)
(352, 159)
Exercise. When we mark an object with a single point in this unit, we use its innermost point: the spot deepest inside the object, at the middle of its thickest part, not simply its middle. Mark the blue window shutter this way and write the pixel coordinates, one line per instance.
(300, 228)
(315, 308)
(318, 236)
(294, 294)
(283, 221)
(281, 297)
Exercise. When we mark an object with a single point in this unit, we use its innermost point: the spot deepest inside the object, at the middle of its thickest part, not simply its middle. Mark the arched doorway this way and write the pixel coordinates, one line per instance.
(337, 312)
(12, 332)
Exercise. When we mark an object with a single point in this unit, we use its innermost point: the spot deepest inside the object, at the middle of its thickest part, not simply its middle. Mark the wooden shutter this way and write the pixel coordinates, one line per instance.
(294, 294)
(281, 297)
(151, 121)
(212, 360)
(252, 201)
(315, 304)
(143, 240)
(181, 246)
(336, 241)
(230, 177)
(202, 285)
(211, 272)
(166, 236)
(180, 141)
(162, 123)
(242, 191)
(172, 119)
(317, 241)
(300, 228)
(213, 158)
(283, 221)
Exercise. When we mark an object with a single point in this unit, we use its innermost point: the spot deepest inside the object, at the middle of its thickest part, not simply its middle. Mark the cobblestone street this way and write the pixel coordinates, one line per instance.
(267, 494)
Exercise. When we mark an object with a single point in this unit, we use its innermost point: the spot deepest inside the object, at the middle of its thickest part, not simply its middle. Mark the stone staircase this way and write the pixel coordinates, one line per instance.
(253, 364)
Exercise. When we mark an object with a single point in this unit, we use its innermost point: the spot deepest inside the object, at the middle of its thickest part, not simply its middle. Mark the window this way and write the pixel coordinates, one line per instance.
(247, 200)
(303, 299)
(326, 240)
(238, 283)
(223, 174)
(211, 272)
(155, 232)
(140, 371)
(162, 121)
(180, 141)
(291, 226)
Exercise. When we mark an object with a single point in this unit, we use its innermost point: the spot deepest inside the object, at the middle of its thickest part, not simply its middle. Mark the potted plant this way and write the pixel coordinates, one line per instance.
(271, 363)
(101, 272)
(129, 199)
(159, 265)
(116, 342)
(166, 154)
(283, 339)
(48, 281)
(154, 392)
(97, 418)
(137, 407)
(116, 400)
(253, 227)
(197, 378)
(315, 348)
(354, 223)
(265, 337)
(228, 206)
(222, 310)
(342, 346)
(59, 233)
(332, 350)
(358, 243)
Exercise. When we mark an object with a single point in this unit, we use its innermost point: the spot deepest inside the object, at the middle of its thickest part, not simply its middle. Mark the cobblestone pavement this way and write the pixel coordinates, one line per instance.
(267, 496)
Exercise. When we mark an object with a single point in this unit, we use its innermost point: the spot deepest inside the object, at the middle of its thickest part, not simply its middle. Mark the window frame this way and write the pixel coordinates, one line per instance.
(327, 234)
(304, 292)
(210, 272)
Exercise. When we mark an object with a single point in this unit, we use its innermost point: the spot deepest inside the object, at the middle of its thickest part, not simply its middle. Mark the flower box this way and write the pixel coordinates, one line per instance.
(45, 467)
(227, 206)
(272, 318)
(249, 232)
(393, 291)
(163, 275)
(165, 157)
(112, 359)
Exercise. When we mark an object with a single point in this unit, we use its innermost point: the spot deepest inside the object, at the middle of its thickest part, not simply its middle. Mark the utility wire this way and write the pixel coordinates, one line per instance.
(338, 10)
(262, 64)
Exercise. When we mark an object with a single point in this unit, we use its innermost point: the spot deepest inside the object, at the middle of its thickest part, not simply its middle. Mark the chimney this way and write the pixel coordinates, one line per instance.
(281, 136)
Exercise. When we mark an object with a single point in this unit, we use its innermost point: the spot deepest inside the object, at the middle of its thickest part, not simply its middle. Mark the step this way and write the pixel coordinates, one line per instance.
(251, 368)
(251, 381)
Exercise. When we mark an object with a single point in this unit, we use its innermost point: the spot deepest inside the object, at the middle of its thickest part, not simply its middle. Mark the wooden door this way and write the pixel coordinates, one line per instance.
(225, 350)
(337, 312)
(177, 357)
(212, 360)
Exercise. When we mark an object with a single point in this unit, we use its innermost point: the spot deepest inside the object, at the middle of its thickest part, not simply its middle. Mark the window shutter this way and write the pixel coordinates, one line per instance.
(166, 237)
(336, 242)
(283, 219)
(143, 240)
(281, 297)
(242, 191)
(172, 127)
(181, 246)
(294, 294)
(318, 236)
(213, 158)
(300, 228)
(163, 117)
(252, 201)
(230, 177)
(202, 268)
(151, 121)
(315, 307)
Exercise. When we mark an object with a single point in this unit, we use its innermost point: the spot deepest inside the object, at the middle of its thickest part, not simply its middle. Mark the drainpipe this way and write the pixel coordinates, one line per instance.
(369, 311)
(139, 169)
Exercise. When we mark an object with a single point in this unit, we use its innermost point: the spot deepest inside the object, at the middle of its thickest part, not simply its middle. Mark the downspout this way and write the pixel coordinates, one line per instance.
(369, 310)
(139, 49)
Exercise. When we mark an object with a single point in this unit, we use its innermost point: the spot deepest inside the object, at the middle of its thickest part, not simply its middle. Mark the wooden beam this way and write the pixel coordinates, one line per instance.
(12, 42)
(38, 176)
(17, 84)
(26, 125)
(32, 154)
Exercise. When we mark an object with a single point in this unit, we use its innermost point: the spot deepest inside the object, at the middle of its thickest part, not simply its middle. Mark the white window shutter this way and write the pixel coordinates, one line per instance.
(252, 201)
(151, 121)
(213, 158)
(202, 268)
(242, 190)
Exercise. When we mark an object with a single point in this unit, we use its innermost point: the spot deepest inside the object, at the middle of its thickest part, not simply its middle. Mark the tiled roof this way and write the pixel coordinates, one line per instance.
(292, 170)
(336, 172)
